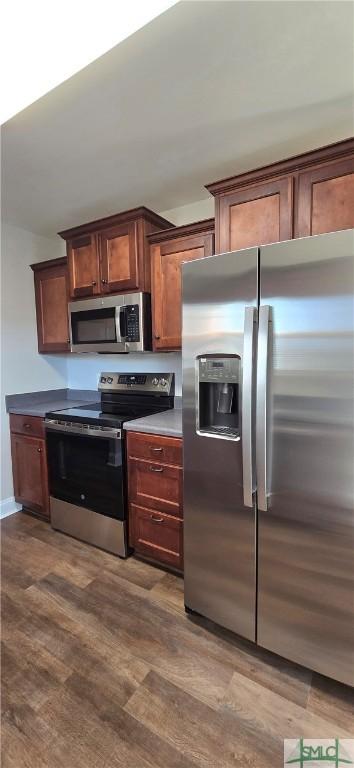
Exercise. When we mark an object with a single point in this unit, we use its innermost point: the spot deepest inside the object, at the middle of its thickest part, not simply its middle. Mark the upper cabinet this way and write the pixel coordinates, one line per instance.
(52, 291)
(112, 254)
(169, 249)
(305, 195)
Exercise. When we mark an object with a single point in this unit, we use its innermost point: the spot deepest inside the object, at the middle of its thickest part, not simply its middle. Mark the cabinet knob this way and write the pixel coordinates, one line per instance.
(156, 519)
(157, 337)
(27, 426)
(68, 341)
(103, 280)
(39, 450)
(93, 282)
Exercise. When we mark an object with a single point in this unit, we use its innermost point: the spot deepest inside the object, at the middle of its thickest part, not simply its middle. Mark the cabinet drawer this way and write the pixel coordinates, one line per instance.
(156, 535)
(157, 486)
(27, 425)
(168, 450)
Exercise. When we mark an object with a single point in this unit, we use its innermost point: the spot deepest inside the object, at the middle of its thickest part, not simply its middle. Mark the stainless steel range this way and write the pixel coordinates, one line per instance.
(86, 457)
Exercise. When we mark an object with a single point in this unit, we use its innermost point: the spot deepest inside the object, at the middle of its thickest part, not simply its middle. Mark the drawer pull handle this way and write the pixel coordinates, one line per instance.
(39, 450)
(156, 469)
(156, 450)
(157, 519)
(27, 426)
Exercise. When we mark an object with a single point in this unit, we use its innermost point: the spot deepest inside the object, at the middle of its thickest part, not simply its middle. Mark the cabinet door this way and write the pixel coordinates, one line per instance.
(255, 215)
(157, 536)
(166, 286)
(325, 199)
(154, 485)
(83, 266)
(118, 248)
(30, 473)
(51, 289)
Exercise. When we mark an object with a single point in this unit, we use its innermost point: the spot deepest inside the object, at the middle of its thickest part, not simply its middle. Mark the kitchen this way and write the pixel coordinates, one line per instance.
(135, 467)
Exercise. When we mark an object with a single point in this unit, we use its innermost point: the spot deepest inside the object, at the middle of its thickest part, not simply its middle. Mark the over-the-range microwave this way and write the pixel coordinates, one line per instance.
(109, 324)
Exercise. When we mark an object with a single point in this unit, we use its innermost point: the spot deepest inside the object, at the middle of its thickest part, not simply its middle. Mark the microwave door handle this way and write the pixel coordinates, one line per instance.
(118, 327)
(249, 335)
(262, 416)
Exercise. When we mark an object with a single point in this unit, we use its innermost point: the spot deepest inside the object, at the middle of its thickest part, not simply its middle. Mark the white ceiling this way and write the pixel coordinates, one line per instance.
(206, 90)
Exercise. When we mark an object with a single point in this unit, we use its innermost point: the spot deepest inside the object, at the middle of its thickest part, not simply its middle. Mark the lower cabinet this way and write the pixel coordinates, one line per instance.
(29, 464)
(155, 498)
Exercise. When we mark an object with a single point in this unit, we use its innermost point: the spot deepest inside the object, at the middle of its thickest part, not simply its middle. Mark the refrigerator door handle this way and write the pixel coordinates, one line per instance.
(249, 334)
(265, 319)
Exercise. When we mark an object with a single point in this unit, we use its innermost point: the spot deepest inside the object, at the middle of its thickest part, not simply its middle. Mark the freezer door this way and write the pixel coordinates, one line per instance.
(305, 452)
(219, 323)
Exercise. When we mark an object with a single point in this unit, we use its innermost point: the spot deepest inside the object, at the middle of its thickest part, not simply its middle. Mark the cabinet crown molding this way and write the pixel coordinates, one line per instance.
(118, 218)
(206, 226)
(282, 167)
(39, 265)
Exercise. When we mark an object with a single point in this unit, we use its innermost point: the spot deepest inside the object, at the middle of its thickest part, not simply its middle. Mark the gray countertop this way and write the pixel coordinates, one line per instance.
(39, 403)
(165, 423)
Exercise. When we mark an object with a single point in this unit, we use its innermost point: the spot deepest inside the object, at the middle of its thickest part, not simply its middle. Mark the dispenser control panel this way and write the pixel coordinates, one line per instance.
(214, 369)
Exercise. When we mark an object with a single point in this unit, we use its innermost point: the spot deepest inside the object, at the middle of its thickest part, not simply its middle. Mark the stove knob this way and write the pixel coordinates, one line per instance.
(163, 382)
(155, 382)
(103, 379)
(109, 380)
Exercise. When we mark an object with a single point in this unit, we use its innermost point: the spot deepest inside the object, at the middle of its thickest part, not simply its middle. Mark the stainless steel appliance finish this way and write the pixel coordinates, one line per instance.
(77, 428)
(107, 324)
(149, 383)
(87, 525)
(305, 462)
(219, 539)
(279, 500)
(86, 457)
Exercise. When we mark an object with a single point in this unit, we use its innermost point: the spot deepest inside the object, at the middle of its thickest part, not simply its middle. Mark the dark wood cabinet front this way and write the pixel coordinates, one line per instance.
(111, 255)
(118, 258)
(84, 272)
(52, 292)
(257, 215)
(305, 195)
(155, 497)
(326, 198)
(29, 465)
(168, 251)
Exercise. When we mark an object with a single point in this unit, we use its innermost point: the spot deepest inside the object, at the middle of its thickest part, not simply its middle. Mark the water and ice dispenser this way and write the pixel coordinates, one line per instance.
(218, 401)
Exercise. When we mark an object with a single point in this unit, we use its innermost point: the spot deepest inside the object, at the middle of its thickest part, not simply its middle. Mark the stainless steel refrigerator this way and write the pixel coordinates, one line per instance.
(268, 411)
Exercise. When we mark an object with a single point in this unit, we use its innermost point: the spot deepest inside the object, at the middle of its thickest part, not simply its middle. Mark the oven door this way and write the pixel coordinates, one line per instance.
(87, 471)
(96, 325)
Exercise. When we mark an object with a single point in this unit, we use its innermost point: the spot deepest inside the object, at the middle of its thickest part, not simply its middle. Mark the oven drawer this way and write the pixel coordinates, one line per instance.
(157, 536)
(168, 450)
(155, 485)
(27, 425)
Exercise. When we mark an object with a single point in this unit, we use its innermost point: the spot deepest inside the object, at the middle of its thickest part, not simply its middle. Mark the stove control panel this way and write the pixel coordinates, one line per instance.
(157, 383)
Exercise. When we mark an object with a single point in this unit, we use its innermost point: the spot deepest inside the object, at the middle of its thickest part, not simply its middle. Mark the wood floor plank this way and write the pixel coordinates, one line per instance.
(332, 701)
(207, 737)
(161, 639)
(271, 713)
(96, 560)
(102, 668)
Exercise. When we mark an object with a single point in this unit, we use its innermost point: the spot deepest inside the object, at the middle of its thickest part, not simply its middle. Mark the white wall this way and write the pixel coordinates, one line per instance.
(185, 214)
(22, 368)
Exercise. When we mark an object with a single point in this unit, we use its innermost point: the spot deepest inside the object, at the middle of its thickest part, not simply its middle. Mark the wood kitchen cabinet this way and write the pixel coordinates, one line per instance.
(52, 293)
(155, 498)
(306, 195)
(112, 254)
(29, 463)
(169, 250)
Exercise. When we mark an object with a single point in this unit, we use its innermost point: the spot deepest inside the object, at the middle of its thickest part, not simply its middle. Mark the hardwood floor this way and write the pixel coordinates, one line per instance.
(102, 668)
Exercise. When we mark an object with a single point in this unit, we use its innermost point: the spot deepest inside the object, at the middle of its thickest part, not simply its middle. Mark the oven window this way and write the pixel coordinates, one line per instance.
(94, 326)
(86, 471)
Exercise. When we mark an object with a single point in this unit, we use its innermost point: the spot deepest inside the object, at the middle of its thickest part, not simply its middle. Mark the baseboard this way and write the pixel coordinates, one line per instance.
(9, 507)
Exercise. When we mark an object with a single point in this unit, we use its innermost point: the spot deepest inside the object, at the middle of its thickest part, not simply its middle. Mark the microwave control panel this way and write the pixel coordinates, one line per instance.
(132, 319)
